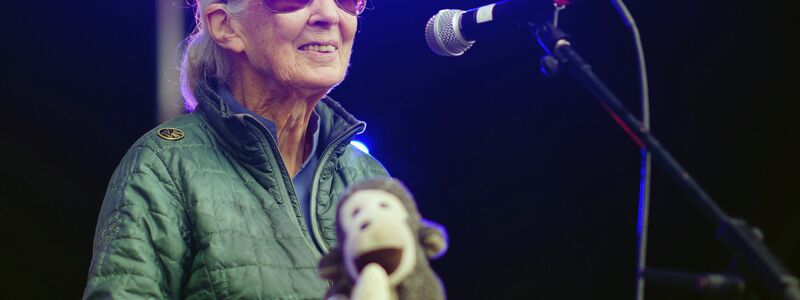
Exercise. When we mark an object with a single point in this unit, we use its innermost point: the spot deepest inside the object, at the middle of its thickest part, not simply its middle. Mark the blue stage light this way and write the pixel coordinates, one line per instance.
(361, 146)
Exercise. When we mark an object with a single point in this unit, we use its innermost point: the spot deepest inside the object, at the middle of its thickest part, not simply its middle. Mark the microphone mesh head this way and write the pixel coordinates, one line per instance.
(443, 36)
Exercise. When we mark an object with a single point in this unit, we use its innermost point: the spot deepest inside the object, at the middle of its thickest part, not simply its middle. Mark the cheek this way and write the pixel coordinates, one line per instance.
(272, 45)
(348, 28)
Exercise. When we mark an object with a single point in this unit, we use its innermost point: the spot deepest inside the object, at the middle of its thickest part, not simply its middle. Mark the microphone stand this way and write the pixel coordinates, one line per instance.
(734, 234)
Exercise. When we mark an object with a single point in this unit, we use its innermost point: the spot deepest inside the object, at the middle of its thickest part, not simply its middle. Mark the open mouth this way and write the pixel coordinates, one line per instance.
(322, 48)
(388, 259)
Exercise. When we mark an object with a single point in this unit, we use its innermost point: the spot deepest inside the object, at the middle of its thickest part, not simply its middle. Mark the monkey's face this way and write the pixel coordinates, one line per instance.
(376, 229)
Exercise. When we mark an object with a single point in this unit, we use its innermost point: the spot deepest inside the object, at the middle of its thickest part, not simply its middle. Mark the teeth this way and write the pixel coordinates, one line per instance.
(319, 48)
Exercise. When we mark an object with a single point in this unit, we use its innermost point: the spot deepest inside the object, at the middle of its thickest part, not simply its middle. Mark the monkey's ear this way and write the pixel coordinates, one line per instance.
(433, 238)
(331, 266)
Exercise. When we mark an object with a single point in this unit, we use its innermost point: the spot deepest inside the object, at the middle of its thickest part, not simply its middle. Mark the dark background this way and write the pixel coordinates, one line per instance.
(535, 183)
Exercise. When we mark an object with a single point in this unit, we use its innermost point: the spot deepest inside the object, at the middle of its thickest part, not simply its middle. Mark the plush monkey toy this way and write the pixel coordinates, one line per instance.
(384, 246)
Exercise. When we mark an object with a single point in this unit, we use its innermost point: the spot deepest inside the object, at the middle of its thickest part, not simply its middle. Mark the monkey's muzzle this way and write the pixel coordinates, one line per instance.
(388, 259)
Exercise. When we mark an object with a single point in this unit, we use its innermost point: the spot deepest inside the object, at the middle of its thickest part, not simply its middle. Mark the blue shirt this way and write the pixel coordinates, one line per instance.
(304, 178)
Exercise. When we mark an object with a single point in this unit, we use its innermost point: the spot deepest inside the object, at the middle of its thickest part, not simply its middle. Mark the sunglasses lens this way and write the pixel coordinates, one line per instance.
(284, 6)
(354, 7)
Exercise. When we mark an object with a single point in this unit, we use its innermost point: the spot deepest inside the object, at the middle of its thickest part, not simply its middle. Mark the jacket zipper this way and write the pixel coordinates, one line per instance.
(288, 192)
(315, 185)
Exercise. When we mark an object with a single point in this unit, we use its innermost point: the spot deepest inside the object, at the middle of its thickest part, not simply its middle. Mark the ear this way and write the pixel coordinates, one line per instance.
(223, 29)
(433, 239)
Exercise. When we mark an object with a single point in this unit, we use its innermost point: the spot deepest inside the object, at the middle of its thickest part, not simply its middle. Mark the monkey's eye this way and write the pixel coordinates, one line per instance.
(356, 211)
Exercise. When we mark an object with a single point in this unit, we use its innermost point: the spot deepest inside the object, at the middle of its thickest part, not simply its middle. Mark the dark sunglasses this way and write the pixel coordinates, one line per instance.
(353, 7)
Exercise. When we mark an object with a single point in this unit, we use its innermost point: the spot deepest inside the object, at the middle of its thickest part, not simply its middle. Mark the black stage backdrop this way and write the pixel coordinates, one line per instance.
(535, 183)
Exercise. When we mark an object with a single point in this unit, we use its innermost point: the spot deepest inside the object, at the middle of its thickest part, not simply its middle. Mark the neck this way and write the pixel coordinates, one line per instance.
(288, 108)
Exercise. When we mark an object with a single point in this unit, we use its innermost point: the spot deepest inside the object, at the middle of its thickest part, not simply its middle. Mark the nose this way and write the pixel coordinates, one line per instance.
(365, 225)
(324, 13)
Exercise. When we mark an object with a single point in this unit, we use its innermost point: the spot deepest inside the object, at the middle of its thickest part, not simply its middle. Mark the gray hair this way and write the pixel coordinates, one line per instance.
(202, 57)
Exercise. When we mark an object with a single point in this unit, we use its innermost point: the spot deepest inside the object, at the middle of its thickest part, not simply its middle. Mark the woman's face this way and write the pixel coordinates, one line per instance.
(308, 49)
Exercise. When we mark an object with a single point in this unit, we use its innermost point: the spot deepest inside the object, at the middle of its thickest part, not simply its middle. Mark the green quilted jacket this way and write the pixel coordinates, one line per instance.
(202, 207)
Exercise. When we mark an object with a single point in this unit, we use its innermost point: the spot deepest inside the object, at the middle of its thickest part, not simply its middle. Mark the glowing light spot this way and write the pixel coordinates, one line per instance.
(360, 146)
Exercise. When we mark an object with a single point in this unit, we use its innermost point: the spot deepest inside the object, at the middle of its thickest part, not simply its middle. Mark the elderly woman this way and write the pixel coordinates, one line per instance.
(237, 199)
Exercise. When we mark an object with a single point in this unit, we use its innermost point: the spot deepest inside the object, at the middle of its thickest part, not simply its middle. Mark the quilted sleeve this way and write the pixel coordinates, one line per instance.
(141, 240)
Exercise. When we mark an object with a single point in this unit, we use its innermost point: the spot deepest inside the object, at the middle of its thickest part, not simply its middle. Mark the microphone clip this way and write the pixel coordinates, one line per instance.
(550, 38)
(559, 6)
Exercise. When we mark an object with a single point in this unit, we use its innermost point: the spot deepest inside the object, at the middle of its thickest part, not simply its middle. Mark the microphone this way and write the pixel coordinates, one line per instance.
(451, 32)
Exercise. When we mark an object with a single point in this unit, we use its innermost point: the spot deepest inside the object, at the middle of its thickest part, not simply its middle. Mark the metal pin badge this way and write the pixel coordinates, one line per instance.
(170, 134)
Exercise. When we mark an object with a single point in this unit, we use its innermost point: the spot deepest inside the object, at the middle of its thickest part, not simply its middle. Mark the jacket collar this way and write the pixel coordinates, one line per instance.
(247, 137)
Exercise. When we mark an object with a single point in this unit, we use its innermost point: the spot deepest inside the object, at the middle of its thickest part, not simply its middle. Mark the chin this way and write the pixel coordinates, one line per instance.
(322, 83)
